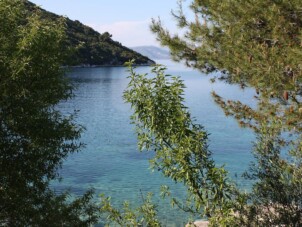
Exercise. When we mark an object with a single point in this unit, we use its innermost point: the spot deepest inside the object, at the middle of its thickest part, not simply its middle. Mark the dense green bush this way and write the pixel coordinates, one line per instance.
(35, 138)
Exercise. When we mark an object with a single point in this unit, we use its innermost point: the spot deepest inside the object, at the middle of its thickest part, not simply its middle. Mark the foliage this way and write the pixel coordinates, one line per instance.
(277, 192)
(88, 47)
(254, 44)
(35, 137)
(145, 215)
(164, 125)
(246, 39)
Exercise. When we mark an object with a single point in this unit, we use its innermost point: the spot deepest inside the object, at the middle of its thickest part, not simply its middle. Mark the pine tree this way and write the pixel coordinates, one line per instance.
(256, 44)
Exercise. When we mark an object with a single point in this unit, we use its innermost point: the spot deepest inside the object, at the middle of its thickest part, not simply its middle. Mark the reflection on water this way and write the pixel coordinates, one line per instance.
(110, 161)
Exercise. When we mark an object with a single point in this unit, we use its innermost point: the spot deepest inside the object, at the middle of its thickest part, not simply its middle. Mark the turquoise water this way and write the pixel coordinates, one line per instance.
(111, 163)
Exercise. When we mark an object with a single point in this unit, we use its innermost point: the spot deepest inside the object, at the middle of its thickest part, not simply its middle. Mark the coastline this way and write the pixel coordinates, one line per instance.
(108, 65)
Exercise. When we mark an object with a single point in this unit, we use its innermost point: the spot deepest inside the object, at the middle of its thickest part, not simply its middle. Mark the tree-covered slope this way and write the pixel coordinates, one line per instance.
(89, 47)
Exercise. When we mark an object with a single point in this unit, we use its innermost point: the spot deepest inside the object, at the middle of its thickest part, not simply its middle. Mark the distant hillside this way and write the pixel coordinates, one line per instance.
(90, 47)
(153, 52)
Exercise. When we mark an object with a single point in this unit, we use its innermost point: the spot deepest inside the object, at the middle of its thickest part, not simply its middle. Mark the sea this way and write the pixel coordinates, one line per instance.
(110, 161)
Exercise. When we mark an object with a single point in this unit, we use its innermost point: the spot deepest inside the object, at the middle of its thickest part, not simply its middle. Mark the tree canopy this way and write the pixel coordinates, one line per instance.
(35, 137)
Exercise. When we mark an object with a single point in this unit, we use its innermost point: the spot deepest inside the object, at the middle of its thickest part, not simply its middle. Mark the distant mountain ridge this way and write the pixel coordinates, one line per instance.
(153, 52)
(90, 47)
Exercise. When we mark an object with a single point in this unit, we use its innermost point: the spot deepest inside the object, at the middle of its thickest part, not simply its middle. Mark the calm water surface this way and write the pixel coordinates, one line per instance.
(111, 163)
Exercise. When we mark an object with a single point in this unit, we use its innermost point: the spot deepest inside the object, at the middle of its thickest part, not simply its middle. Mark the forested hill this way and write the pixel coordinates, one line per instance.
(90, 47)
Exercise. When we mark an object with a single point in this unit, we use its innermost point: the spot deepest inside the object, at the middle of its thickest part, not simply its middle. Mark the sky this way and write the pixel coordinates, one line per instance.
(127, 20)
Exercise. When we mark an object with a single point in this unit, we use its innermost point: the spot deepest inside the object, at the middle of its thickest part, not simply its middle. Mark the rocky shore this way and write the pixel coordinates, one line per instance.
(198, 223)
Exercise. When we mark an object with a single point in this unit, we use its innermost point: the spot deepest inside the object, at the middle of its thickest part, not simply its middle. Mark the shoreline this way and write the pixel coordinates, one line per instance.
(107, 65)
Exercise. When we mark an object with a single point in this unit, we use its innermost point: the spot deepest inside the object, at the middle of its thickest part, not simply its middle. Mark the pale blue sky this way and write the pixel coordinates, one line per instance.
(127, 20)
